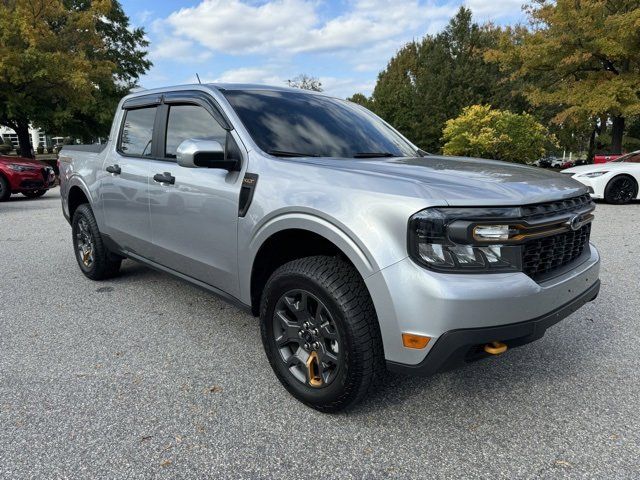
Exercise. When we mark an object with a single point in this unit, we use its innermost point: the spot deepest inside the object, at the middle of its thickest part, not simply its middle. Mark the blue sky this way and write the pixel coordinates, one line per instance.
(345, 43)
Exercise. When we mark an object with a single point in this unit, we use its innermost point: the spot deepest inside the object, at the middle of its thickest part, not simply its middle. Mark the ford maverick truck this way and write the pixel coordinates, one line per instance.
(359, 252)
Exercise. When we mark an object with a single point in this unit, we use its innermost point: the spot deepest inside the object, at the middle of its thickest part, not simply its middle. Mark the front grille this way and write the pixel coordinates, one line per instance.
(549, 253)
(542, 210)
(546, 254)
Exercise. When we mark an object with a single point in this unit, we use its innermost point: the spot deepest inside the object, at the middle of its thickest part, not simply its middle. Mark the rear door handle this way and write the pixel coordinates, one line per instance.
(165, 177)
(115, 169)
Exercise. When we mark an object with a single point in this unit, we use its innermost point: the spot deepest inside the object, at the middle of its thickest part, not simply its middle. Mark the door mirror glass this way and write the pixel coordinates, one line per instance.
(195, 153)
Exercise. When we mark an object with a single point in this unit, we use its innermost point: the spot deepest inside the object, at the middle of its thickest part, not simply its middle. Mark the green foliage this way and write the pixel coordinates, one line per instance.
(430, 81)
(581, 56)
(481, 131)
(65, 63)
(360, 99)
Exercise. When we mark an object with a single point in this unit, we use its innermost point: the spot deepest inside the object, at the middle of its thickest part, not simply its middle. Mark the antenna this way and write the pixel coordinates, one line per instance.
(198, 77)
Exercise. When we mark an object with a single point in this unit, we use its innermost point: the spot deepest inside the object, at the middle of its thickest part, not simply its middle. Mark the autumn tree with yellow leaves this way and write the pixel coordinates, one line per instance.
(579, 56)
(64, 64)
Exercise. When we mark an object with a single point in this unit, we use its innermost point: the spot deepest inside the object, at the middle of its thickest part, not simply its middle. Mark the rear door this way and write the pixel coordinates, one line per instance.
(194, 220)
(124, 188)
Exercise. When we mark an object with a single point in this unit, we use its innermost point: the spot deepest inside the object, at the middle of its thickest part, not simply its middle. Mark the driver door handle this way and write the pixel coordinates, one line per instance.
(115, 169)
(165, 177)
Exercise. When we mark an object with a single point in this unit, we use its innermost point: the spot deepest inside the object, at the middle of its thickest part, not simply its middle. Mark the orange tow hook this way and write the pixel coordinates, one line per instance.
(495, 348)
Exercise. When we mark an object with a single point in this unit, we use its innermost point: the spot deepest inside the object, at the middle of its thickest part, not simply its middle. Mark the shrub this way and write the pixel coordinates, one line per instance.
(481, 131)
(40, 150)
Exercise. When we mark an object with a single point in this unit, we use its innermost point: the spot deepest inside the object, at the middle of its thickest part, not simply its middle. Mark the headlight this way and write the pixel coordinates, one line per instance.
(22, 168)
(465, 239)
(592, 174)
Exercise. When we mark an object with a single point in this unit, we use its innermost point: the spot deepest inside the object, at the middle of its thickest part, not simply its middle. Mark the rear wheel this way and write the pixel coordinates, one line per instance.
(621, 189)
(95, 261)
(5, 189)
(34, 193)
(320, 333)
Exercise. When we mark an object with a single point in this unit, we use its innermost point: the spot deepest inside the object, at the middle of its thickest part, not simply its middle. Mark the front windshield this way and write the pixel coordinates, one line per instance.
(292, 124)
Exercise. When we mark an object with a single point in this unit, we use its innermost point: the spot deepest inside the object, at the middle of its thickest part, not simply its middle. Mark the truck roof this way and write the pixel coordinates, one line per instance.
(223, 86)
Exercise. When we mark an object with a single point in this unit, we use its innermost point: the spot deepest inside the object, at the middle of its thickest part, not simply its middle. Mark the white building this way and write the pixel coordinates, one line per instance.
(38, 137)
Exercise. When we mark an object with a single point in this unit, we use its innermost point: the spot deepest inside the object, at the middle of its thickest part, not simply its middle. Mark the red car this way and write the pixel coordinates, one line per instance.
(32, 178)
(604, 158)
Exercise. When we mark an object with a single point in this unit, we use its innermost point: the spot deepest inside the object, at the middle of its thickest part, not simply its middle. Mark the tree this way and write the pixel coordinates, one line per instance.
(481, 131)
(360, 99)
(65, 64)
(430, 81)
(305, 82)
(581, 55)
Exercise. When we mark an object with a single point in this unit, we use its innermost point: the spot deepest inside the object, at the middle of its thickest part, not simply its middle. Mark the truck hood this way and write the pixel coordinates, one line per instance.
(469, 181)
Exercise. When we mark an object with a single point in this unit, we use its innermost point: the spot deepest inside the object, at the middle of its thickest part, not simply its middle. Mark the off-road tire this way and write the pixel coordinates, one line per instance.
(105, 264)
(341, 289)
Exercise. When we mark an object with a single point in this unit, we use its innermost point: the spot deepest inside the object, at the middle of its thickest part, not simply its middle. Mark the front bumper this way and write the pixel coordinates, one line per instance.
(411, 299)
(32, 180)
(457, 347)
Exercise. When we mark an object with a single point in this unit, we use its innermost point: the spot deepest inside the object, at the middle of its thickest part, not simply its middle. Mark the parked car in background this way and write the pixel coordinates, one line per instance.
(606, 157)
(544, 162)
(31, 178)
(566, 164)
(615, 181)
(358, 251)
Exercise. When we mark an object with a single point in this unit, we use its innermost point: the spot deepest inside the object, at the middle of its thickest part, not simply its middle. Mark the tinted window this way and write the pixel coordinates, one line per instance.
(191, 121)
(138, 131)
(313, 125)
(633, 157)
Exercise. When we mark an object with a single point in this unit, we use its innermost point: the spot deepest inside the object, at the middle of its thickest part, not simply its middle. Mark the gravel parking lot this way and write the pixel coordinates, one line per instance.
(146, 376)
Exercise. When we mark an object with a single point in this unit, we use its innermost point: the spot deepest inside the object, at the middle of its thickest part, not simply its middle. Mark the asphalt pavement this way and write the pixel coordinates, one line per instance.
(146, 376)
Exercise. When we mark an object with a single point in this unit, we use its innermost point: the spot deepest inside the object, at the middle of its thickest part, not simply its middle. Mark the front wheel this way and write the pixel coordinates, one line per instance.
(34, 193)
(320, 333)
(5, 189)
(95, 261)
(620, 190)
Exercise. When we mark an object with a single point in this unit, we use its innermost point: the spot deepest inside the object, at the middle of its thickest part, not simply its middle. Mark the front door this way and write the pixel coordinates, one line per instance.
(194, 220)
(124, 185)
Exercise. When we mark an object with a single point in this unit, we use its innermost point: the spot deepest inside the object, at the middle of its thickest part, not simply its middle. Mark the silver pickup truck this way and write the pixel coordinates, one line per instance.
(358, 251)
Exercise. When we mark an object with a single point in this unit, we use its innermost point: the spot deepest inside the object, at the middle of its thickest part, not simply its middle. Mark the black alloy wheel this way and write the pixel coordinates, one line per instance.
(620, 190)
(307, 338)
(84, 243)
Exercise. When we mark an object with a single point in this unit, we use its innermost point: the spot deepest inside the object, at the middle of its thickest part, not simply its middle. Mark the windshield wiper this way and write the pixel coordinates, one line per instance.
(373, 155)
(283, 153)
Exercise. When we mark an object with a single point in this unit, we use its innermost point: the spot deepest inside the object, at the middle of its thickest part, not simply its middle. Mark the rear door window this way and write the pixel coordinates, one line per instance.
(137, 132)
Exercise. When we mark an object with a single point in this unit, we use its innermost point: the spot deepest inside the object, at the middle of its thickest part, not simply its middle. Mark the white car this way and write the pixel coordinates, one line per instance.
(616, 181)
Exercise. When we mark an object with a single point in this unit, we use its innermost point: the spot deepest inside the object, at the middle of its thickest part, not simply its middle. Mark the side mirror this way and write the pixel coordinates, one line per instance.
(194, 153)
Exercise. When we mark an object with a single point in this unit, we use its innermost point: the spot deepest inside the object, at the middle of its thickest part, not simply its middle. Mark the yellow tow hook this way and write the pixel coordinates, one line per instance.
(495, 348)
